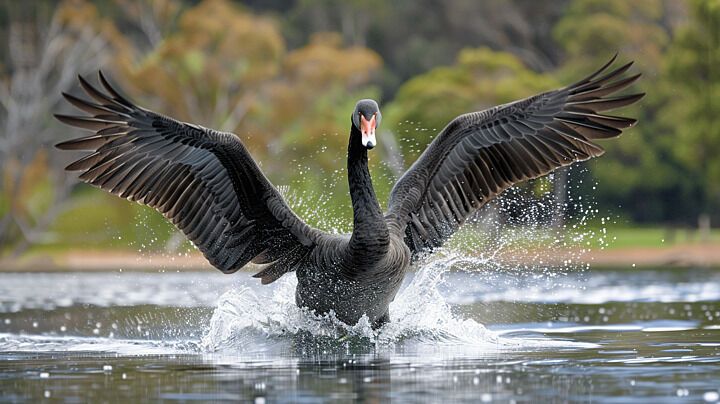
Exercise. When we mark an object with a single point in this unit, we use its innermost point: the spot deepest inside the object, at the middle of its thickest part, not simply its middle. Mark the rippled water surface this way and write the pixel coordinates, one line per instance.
(460, 330)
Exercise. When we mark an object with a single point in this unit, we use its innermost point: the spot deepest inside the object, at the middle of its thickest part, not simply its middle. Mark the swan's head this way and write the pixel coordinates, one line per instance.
(366, 118)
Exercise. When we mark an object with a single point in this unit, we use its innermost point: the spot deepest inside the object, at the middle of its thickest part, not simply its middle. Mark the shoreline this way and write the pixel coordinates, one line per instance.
(680, 255)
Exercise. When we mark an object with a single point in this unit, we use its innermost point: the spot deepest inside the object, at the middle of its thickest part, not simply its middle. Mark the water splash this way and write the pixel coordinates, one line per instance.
(510, 236)
(244, 321)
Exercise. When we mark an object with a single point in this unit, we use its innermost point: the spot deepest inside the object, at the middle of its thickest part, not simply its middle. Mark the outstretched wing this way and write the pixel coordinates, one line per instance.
(479, 155)
(202, 180)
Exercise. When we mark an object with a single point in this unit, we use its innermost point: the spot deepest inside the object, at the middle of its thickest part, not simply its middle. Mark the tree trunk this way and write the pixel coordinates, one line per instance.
(44, 60)
(704, 227)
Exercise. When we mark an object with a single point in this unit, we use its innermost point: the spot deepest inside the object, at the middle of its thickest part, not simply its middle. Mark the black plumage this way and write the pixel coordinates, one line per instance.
(480, 154)
(208, 185)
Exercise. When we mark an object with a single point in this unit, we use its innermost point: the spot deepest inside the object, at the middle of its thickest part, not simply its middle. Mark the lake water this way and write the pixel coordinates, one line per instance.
(460, 331)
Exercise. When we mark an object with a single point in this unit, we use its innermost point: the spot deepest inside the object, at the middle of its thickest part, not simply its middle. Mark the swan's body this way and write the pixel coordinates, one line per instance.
(208, 185)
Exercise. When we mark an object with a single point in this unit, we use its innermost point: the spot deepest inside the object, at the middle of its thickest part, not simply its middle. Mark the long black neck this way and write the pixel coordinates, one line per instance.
(370, 237)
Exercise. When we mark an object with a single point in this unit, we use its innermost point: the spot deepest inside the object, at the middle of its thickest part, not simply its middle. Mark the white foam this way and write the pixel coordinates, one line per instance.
(419, 315)
(35, 343)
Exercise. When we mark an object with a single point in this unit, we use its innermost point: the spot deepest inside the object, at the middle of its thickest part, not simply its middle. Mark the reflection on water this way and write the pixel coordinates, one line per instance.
(479, 335)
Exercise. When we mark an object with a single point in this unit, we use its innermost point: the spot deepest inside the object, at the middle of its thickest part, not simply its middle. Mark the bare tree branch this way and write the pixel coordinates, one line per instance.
(44, 59)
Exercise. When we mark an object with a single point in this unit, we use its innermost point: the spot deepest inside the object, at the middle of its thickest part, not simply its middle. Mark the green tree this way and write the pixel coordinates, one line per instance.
(414, 36)
(693, 110)
(639, 177)
(211, 68)
(480, 79)
(224, 67)
(46, 48)
(305, 122)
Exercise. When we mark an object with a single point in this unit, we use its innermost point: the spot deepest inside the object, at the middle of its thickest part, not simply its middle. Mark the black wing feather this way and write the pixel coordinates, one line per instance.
(479, 155)
(205, 182)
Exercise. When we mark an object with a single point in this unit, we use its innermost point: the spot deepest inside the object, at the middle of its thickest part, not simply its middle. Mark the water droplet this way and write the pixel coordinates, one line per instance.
(711, 396)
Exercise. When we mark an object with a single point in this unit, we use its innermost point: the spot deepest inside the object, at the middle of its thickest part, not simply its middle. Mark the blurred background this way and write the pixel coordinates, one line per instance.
(284, 76)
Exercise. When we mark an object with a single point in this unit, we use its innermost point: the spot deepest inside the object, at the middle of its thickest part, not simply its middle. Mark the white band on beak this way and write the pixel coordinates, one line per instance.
(368, 140)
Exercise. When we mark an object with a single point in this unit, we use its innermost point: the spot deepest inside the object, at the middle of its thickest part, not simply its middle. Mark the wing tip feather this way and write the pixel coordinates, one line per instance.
(65, 145)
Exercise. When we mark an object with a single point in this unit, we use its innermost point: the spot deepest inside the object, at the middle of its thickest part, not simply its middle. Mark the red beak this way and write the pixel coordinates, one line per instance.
(367, 128)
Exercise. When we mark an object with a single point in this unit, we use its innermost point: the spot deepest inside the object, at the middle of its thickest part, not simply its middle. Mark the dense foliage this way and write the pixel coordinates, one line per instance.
(285, 74)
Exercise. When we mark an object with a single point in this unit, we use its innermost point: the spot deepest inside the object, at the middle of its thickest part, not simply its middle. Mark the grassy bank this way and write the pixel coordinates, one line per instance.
(615, 247)
(659, 237)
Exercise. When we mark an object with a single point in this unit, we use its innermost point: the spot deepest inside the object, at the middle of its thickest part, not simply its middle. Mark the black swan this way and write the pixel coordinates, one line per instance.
(208, 185)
